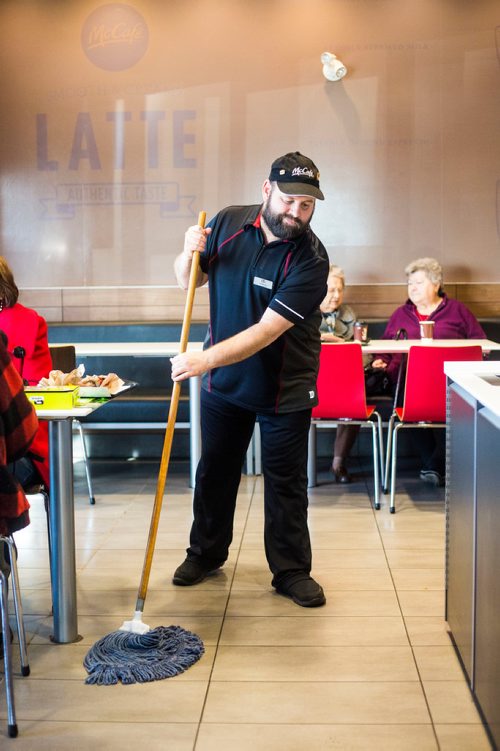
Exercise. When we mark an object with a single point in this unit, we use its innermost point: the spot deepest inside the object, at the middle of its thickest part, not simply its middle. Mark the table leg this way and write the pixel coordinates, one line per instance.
(194, 425)
(62, 532)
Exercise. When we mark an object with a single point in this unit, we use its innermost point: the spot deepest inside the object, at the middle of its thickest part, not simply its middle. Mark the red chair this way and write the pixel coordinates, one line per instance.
(425, 396)
(342, 399)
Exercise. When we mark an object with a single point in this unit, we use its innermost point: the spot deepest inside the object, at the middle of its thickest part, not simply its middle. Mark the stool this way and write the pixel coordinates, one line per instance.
(7, 649)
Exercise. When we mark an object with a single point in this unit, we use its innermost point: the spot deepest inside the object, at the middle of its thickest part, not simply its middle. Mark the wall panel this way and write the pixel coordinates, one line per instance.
(166, 304)
(116, 130)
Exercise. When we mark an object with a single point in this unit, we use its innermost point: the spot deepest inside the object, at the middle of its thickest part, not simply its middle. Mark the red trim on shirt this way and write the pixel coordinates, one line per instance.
(287, 263)
(228, 239)
(421, 316)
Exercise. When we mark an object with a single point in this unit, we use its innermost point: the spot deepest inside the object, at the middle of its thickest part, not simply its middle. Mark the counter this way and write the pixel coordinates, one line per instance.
(473, 530)
(481, 380)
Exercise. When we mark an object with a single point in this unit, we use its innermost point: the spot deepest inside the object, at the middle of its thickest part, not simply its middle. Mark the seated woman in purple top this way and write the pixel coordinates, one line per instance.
(452, 320)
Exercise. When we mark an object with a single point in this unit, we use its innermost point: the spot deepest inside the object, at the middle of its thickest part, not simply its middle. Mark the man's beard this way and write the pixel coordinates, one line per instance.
(278, 226)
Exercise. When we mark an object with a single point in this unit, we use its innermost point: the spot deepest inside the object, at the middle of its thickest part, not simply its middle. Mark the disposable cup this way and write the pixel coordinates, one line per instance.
(427, 330)
(360, 333)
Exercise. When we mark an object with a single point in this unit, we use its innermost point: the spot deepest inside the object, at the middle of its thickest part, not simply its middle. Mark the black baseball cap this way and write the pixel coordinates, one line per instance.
(296, 175)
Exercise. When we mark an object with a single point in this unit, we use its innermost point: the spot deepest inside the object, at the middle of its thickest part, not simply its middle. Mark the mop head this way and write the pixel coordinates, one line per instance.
(139, 658)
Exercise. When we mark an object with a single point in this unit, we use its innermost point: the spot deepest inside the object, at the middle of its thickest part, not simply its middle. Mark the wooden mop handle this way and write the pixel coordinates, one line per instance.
(169, 433)
(193, 278)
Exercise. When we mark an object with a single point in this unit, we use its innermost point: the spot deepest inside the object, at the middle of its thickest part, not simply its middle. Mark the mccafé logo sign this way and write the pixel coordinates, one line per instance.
(115, 37)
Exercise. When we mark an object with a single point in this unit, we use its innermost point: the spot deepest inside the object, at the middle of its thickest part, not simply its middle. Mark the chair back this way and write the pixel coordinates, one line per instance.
(341, 382)
(425, 389)
(63, 357)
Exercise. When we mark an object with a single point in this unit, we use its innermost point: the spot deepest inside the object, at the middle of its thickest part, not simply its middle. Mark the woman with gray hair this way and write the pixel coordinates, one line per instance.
(452, 320)
(337, 325)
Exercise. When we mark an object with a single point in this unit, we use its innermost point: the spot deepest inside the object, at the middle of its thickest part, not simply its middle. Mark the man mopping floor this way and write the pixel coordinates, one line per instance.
(267, 275)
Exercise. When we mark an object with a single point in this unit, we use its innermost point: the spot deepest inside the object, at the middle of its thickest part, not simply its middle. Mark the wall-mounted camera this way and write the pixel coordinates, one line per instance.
(333, 68)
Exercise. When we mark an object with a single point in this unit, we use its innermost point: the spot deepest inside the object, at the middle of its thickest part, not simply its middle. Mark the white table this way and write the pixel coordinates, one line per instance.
(156, 349)
(132, 349)
(169, 349)
(391, 346)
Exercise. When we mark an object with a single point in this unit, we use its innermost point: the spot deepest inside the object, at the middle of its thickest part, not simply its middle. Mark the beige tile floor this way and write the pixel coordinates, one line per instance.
(373, 669)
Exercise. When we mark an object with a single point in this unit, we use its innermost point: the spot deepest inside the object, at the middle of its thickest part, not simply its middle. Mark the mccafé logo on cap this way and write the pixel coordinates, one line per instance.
(305, 171)
(296, 174)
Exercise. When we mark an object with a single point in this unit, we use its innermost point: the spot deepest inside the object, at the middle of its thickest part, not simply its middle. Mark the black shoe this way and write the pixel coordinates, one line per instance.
(432, 477)
(192, 571)
(342, 475)
(305, 592)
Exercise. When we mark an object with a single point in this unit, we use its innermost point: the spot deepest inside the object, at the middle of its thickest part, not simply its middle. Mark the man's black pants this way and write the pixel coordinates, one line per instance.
(226, 432)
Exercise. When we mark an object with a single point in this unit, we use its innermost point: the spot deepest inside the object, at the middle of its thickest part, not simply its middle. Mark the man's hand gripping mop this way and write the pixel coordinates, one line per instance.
(136, 653)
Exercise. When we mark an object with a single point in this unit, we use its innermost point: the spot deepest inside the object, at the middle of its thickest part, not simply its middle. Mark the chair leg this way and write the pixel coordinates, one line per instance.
(86, 463)
(18, 608)
(388, 453)
(392, 508)
(46, 502)
(380, 447)
(311, 457)
(7, 658)
(376, 476)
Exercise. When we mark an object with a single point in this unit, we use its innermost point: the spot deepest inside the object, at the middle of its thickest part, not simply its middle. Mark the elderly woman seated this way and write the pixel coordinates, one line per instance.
(452, 320)
(337, 325)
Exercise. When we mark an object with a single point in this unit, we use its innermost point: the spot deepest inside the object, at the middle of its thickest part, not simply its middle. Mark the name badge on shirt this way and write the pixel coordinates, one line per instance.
(267, 283)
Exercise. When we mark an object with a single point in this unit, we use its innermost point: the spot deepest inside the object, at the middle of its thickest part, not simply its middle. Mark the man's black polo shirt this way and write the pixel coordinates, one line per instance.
(245, 277)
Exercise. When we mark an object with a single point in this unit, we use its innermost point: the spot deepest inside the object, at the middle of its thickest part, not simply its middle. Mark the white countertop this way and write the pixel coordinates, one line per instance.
(393, 346)
(131, 349)
(469, 375)
(169, 349)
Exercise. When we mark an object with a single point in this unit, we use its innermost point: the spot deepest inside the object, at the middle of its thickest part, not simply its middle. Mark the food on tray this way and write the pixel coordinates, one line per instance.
(111, 382)
(76, 377)
(58, 378)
